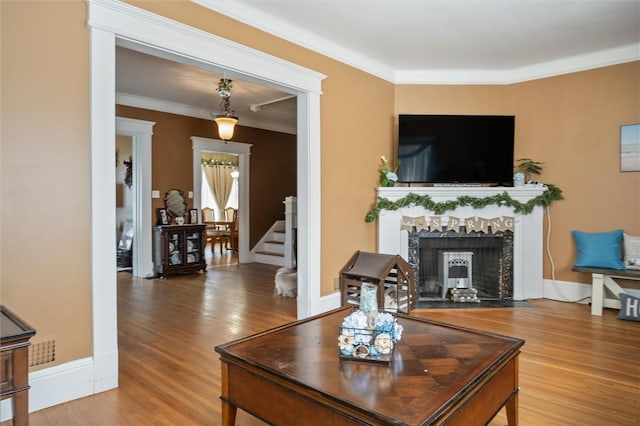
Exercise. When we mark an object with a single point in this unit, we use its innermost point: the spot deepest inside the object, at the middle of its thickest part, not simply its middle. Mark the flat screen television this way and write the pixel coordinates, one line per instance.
(456, 149)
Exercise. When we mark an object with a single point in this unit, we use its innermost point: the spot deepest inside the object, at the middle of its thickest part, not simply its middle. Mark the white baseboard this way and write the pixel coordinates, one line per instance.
(563, 291)
(55, 385)
(327, 303)
(568, 291)
(105, 371)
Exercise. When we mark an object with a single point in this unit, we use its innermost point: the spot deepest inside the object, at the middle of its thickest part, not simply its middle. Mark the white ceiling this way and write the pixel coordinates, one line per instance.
(151, 82)
(453, 41)
(402, 41)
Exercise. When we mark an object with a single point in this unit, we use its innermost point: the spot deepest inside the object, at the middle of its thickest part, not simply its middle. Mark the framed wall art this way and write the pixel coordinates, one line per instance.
(630, 148)
(193, 216)
(163, 217)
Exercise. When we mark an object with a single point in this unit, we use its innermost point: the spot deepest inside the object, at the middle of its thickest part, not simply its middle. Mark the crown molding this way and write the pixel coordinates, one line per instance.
(279, 28)
(562, 66)
(127, 23)
(283, 29)
(195, 112)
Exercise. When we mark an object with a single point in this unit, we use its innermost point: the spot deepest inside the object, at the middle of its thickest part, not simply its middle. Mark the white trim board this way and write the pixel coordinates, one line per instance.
(141, 133)
(55, 385)
(568, 291)
(243, 151)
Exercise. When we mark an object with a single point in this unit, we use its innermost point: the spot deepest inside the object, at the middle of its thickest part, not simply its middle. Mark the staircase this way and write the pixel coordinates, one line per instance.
(278, 245)
(270, 249)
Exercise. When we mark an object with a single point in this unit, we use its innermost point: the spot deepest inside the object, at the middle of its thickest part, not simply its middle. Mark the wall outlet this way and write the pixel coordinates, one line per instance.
(155, 194)
(190, 194)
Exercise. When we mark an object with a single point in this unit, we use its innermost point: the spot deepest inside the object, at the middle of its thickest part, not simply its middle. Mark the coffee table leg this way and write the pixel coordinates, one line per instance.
(512, 410)
(228, 414)
(228, 410)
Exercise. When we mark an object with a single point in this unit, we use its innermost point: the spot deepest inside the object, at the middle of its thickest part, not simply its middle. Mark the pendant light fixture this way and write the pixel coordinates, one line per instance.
(226, 120)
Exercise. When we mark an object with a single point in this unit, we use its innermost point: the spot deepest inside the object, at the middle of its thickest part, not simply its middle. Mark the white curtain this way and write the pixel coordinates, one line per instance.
(220, 183)
(206, 194)
(232, 202)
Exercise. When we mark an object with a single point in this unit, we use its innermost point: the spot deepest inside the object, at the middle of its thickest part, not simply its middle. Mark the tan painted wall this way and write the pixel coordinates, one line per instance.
(572, 123)
(45, 153)
(45, 273)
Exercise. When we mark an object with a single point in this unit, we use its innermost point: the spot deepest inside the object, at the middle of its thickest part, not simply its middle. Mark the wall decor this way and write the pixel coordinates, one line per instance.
(193, 216)
(163, 217)
(128, 178)
(630, 148)
(175, 203)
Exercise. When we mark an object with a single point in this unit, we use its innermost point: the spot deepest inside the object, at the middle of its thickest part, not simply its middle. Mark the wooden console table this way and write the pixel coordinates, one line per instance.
(440, 374)
(14, 363)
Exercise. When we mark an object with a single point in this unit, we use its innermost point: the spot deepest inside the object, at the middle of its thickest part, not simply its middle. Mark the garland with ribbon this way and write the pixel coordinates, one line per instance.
(553, 193)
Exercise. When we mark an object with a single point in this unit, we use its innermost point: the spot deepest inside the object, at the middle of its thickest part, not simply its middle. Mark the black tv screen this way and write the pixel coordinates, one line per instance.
(456, 149)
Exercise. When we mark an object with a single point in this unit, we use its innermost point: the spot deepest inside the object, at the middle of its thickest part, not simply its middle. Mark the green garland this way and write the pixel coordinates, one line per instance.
(210, 162)
(553, 193)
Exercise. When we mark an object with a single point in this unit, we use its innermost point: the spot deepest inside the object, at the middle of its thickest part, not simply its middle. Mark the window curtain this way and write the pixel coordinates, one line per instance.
(219, 178)
(232, 201)
(206, 193)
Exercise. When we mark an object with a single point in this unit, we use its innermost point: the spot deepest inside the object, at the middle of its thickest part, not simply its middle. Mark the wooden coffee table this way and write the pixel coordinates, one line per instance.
(439, 374)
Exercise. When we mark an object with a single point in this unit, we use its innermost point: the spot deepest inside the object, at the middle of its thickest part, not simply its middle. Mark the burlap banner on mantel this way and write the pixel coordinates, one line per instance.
(471, 224)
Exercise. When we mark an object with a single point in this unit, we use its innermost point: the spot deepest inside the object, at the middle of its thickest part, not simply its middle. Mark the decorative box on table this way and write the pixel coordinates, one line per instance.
(357, 342)
(393, 276)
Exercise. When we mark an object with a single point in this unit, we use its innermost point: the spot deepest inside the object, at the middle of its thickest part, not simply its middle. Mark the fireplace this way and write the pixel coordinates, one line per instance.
(444, 262)
(515, 256)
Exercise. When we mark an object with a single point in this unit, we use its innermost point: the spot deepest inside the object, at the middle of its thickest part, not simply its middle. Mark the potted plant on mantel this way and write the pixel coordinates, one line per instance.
(528, 168)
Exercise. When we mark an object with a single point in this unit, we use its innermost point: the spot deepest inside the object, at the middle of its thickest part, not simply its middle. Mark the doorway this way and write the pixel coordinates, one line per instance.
(126, 25)
(124, 202)
(219, 197)
(140, 132)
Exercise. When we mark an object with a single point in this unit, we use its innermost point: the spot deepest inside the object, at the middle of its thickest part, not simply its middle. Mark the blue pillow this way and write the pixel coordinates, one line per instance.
(599, 250)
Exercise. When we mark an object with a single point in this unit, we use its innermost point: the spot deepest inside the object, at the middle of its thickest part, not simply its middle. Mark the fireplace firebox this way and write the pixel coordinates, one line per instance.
(446, 261)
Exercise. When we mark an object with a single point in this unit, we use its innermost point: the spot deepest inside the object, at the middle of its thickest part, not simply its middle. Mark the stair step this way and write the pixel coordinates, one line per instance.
(270, 253)
(277, 236)
(272, 247)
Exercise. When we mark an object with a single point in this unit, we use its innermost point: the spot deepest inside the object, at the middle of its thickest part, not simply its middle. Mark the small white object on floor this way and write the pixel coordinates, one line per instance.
(287, 282)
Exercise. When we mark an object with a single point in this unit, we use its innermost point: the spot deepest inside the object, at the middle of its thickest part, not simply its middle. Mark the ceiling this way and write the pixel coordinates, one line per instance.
(155, 83)
(402, 41)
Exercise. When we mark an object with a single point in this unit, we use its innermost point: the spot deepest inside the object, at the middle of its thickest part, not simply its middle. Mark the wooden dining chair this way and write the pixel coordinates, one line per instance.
(231, 234)
(213, 234)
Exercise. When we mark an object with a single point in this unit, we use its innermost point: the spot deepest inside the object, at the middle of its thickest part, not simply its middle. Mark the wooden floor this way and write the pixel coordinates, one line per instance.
(575, 369)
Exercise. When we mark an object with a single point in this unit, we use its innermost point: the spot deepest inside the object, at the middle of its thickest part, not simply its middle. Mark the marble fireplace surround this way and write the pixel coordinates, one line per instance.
(527, 229)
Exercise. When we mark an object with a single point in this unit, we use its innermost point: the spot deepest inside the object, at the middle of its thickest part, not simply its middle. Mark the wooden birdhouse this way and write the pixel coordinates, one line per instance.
(393, 276)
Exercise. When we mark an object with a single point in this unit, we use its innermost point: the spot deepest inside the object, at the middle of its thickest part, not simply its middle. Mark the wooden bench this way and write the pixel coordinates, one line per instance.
(602, 278)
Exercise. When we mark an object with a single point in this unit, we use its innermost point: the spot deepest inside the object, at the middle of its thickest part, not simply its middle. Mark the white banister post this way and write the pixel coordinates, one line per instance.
(290, 226)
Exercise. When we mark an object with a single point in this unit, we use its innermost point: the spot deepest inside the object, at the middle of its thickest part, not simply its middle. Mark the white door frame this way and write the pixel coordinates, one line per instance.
(116, 22)
(141, 133)
(243, 151)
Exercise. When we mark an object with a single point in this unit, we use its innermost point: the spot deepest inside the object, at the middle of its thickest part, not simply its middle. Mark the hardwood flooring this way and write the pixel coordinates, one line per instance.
(575, 369)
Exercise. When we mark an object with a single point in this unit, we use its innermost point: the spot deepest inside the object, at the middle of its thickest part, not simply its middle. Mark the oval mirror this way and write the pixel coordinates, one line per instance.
(175, 203)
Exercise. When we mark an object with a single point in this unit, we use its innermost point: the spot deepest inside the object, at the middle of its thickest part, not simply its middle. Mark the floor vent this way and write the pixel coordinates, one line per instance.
(42, 353)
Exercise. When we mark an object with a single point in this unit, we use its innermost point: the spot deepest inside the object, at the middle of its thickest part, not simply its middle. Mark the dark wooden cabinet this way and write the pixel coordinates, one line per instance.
(14, 363)
(178, 249)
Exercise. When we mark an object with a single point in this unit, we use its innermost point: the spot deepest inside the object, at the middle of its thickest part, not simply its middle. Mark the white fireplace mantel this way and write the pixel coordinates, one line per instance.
(527, 229)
